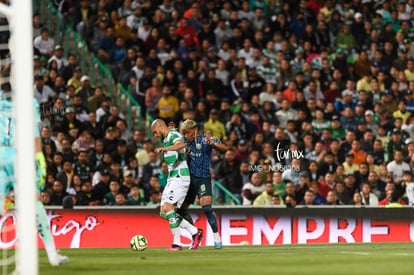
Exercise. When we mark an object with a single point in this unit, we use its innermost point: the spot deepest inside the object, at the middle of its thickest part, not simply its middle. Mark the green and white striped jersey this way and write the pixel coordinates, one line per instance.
(269, 73)
(176, 160)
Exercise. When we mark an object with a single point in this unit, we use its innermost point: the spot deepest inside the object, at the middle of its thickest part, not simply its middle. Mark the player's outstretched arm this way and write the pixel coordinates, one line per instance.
(220, 146)
(216, 145)
(178, 145)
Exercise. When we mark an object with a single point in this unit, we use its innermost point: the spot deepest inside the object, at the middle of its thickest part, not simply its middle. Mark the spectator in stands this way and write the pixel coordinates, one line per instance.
(125, 134)
(59, 58)
(328, 184)
(377, 185)
(86, 90)
(155, 198)
(135, 144)
(106, 45)
(396, 201)
(253, 189)
(37, 25)
(66, 71)
(167, 104)
(409, 187)
(84, 196)
(45, 197)
(70, 121)
(290, 201)
(152, 167)
(81, 113)
(285, 114)
(368, 198)
(84, 142)
(228, 174)
(265, 198)
(142, 156)
(44, 44)
(75, 80)
(292, 174)
(398, 166)
(65, 176)
(57, 194)
(332, 199)
(109, 198)
(121, 153)
(242, 152)
(361, 176)
(42, 92)
(134, 197)
(215, 125)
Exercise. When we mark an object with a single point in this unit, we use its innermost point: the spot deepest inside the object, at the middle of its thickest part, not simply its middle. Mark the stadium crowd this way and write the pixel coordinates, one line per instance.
(328, 82)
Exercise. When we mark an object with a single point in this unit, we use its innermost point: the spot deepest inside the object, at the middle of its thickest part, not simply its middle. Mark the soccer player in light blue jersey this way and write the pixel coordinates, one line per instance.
(7, 180)
(200, 148)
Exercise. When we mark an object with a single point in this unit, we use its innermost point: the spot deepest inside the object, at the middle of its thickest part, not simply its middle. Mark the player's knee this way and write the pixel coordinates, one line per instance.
(206, 200)
(162, 209)
(167, 208)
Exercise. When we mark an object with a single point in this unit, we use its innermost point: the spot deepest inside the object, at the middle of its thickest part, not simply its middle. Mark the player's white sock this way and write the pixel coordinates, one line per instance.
(176, 235)
(217, 238)
(189, 227)
(51, 250)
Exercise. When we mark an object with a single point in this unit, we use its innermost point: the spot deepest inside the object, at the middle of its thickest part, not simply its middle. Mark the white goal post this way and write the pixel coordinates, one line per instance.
(19, 15)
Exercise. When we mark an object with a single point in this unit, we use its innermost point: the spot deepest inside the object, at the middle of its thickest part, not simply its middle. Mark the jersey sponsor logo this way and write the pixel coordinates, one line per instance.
(195, 155)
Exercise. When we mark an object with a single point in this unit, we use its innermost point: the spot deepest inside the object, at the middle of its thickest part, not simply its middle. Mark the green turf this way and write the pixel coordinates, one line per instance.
(392, 258)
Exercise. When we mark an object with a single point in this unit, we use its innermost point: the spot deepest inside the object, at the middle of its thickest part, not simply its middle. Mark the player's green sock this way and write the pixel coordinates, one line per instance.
(174, 221)
(44, 230)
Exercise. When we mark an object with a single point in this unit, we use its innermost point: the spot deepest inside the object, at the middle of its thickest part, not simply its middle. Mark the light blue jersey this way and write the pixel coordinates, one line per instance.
(7, 122)
(7, 149)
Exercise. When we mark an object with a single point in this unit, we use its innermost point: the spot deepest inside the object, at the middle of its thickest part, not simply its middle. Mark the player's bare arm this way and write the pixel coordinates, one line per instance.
(178, 145)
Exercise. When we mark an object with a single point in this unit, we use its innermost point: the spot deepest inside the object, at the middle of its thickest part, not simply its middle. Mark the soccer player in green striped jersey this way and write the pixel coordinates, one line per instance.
(178, 183)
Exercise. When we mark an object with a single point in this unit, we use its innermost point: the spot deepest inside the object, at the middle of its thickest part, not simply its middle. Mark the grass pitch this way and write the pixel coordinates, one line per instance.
(391, 258)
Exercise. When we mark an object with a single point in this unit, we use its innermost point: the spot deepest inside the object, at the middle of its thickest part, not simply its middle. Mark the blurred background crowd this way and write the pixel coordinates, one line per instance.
(333, 80)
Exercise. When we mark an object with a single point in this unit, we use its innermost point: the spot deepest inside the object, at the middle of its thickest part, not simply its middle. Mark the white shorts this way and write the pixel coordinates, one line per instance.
(175, 191)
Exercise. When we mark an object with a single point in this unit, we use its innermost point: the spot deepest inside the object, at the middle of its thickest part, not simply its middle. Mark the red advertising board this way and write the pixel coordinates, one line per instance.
(98, 229)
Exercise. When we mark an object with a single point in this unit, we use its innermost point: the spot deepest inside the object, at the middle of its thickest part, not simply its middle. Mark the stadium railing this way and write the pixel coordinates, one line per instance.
(89, 63)
(77, 45)
(229, 198)
(131, 105)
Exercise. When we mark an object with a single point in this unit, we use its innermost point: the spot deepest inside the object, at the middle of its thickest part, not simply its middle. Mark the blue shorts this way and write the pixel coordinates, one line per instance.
(198, 186)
